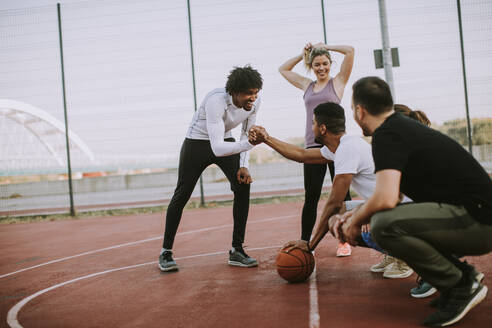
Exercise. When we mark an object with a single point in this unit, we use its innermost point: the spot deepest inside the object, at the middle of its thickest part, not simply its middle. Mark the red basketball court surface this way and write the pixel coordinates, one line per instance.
(103, 272)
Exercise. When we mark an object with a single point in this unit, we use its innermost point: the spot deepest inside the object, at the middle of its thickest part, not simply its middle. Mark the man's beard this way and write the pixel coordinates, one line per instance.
(366, 131)
(317, 140)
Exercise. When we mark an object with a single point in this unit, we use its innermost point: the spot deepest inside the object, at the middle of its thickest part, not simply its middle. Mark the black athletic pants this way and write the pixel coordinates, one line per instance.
(314, 174)
(195, 156)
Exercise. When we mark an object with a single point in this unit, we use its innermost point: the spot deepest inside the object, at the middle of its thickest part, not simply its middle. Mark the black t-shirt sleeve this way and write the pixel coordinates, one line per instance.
(389, 151)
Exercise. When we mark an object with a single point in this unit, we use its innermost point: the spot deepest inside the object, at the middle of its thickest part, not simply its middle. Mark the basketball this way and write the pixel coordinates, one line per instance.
(296, 265)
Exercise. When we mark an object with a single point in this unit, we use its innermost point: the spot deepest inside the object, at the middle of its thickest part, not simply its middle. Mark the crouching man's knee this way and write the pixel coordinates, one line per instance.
(381, 228)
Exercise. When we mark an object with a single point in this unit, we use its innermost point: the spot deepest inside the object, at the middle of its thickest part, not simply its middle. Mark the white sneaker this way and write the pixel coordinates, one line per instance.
(397, 269)
(387, 260)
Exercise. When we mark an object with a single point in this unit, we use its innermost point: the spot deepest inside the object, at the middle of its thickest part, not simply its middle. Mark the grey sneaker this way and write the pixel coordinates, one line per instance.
(241, 259)
(397, 269)
(166, 262)
(423, 289)
(387, 260)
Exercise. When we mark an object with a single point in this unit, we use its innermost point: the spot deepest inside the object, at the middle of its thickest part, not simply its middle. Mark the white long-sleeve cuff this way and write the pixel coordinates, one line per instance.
(224, 148)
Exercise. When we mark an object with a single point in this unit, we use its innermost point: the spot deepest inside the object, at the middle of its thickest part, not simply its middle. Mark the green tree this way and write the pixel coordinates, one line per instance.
(457, 129)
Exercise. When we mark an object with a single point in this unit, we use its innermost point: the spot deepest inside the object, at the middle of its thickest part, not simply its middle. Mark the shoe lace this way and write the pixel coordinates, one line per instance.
(420, 281)
(400, 265)
(387, 260)
(241, 250)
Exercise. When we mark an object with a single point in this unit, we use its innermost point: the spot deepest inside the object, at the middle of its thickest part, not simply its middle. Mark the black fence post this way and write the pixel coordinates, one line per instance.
(202, 197)
(67, 140)
(468, 122)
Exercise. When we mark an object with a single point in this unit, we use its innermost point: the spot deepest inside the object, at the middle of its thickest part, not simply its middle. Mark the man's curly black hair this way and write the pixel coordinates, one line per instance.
(242, 79)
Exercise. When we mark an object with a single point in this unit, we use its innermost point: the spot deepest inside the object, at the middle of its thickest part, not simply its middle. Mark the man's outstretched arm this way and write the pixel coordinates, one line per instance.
(313, 156)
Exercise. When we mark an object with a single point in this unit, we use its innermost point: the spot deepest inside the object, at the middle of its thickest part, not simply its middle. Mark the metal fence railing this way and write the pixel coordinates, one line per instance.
(129, 91)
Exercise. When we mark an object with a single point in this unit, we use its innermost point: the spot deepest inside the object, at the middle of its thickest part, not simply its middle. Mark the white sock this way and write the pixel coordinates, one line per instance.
(164, 249)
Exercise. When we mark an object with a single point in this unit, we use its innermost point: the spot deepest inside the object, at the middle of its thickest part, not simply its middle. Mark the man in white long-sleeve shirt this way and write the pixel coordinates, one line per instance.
(209, 141)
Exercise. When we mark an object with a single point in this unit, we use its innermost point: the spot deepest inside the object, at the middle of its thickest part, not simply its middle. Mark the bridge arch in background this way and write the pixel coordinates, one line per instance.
(44, 127)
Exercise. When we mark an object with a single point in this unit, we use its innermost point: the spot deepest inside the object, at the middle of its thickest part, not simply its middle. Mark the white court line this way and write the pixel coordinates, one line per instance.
(139, 242)
(313, 301)
(14, 311)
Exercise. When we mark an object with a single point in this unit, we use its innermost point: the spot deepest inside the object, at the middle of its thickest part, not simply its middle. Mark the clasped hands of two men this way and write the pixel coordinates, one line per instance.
(339, 225)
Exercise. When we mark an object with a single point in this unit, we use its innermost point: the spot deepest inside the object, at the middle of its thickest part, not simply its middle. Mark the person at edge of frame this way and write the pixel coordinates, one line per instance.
(452, 210)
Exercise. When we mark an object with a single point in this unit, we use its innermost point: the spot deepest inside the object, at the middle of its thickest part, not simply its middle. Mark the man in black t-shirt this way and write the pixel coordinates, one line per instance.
(452, 213)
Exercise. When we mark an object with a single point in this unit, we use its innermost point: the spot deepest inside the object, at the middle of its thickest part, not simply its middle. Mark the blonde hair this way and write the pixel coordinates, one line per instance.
(415, 114)
(309, 56)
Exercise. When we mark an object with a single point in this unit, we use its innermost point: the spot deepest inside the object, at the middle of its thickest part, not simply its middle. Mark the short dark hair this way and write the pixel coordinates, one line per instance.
(242, 79)
(331, 115)
(374, 94)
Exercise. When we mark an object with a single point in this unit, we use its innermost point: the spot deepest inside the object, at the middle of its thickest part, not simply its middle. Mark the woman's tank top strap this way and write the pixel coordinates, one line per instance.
(309, 89)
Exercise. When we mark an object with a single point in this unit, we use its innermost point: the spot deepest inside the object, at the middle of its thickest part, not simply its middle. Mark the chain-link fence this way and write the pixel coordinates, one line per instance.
(129, 87)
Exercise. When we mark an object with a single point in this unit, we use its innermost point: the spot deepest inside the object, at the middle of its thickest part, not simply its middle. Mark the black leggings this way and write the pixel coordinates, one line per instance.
(314, 174)
(195, 156)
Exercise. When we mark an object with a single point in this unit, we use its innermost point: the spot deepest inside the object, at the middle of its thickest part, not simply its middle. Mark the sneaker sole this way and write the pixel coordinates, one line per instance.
(479, 277)
(172, 268)
(378, 270)
(399, 276)
(239, 264)
(428, 293)
(344, 255)
(482, 292)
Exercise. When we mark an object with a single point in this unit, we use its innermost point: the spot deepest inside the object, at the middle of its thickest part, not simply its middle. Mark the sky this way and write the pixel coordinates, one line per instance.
(128, 70)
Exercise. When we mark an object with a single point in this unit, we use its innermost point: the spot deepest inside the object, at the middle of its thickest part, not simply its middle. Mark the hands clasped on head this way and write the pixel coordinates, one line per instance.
(257, 134)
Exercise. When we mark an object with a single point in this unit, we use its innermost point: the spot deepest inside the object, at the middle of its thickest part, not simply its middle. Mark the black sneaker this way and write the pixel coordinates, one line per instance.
(437, 302)
(241, 259)
(455, 304)
(471, 272)
(166, 262)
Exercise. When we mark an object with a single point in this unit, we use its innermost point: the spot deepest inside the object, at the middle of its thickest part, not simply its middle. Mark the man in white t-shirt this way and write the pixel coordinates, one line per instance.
(209, 141)
(351, 155)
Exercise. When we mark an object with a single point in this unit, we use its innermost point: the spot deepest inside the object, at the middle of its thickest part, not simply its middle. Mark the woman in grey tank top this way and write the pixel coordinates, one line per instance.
(324, 89)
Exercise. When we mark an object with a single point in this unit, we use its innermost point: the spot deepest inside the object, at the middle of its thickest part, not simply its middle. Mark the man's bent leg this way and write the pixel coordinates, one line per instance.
(424, 235)
(240, 210)
(237, 256)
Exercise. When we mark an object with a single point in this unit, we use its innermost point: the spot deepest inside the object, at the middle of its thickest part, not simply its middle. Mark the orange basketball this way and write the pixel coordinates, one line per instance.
(296, 265)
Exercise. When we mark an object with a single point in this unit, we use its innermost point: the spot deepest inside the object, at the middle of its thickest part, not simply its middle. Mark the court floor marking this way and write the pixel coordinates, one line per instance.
(13, 322)
(313, 300)
(139, 242)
